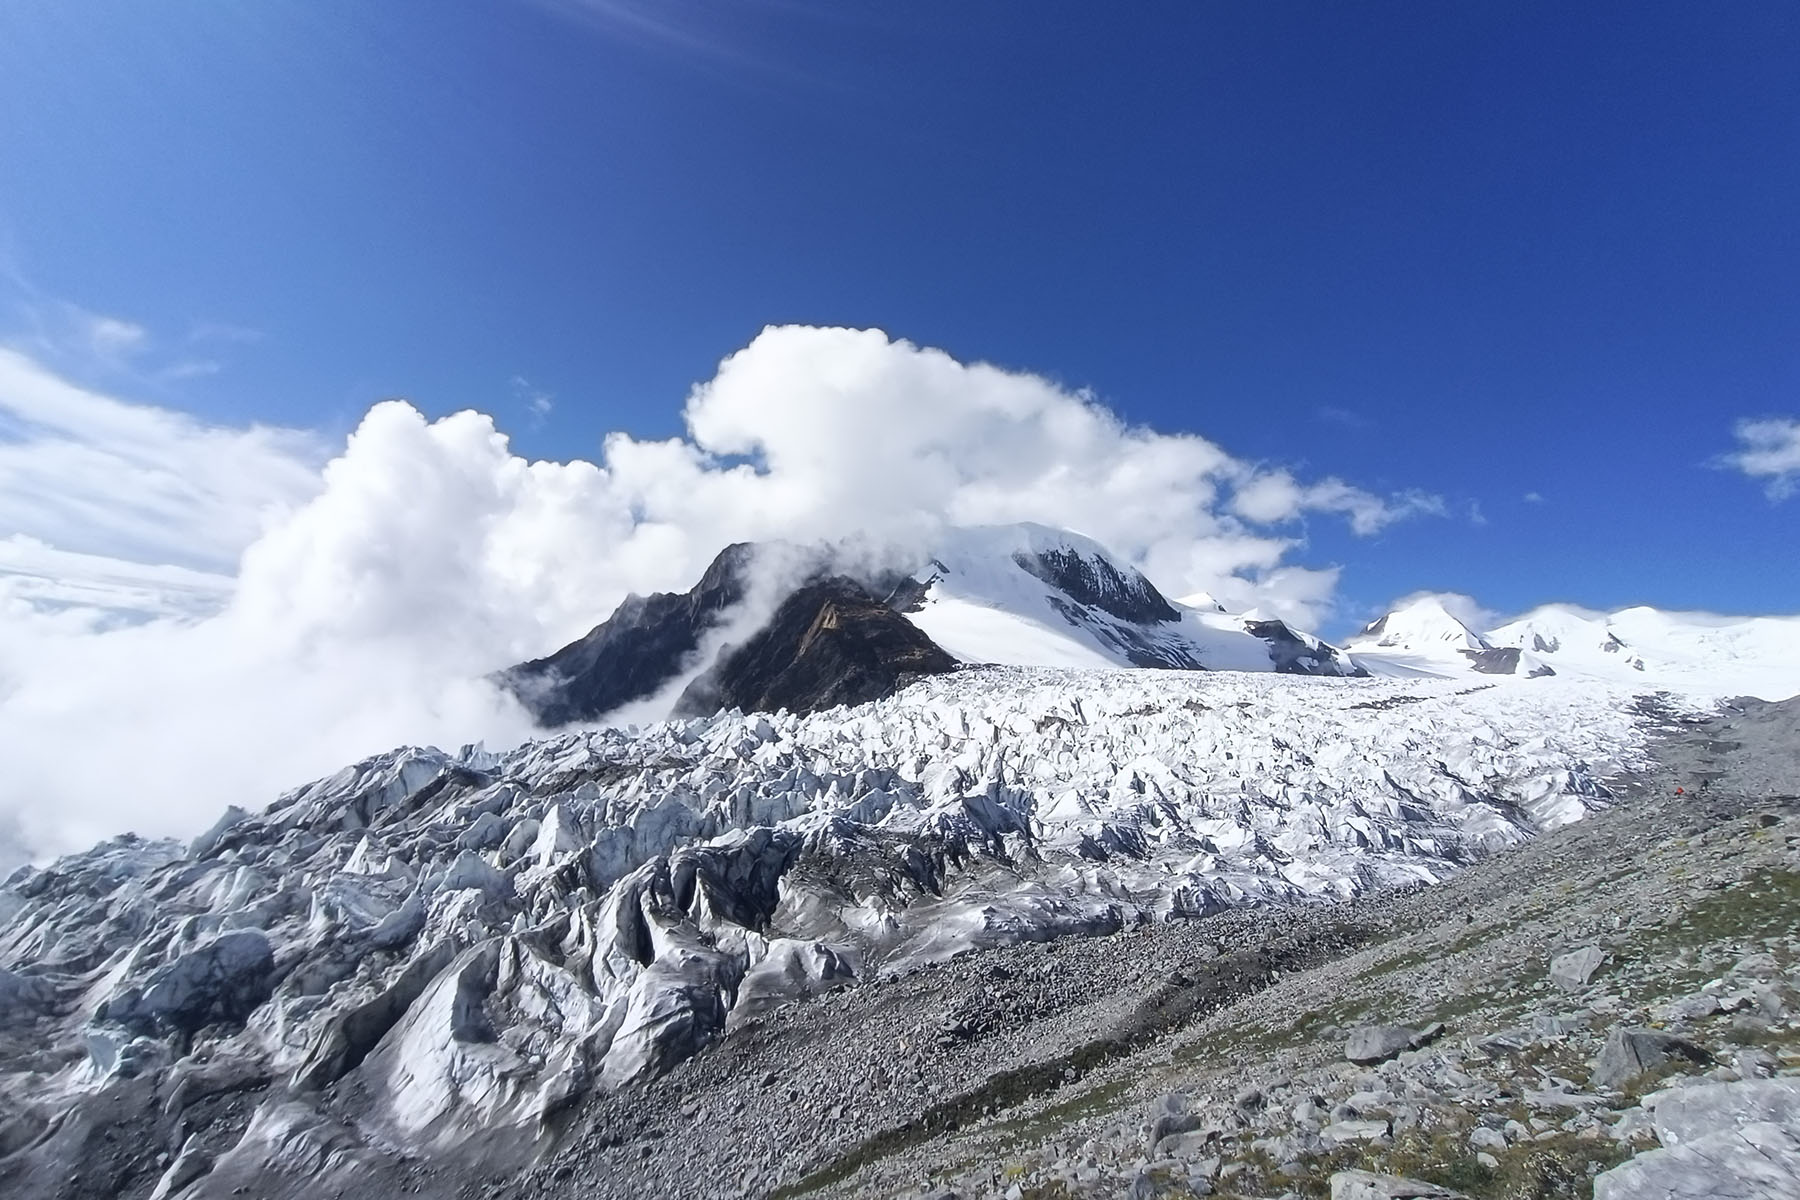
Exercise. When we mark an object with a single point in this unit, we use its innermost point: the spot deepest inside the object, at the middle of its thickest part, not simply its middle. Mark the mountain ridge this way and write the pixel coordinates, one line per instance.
(1638, 645)
(1017, 595)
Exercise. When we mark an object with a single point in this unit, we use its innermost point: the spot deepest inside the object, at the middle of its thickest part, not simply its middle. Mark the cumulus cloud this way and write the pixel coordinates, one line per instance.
(1274, 496)
(363, 601)
(1769, 450)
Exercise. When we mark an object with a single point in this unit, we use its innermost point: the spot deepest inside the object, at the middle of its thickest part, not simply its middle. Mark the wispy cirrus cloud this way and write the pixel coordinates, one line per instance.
(92, 474)
(1343, 418)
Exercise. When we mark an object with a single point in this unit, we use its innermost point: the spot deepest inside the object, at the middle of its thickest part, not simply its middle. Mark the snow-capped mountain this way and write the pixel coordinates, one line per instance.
(1695, 652)
(1031, 596)
(1013, 595)
(1425, 638)
(433, 954)
(1424, 624)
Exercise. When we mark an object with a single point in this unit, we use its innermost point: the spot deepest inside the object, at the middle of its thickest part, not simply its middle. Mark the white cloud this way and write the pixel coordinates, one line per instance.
(92, 474)
(110, 337)
(373, 594)
(537, 402)
(1273, 496)
(107, 590)
(1769, 450)
(1533, 498)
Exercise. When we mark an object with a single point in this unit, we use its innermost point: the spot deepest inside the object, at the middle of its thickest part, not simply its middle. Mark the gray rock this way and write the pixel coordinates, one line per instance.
(1630, 1052)
(1689, 1008)
(1341, 1132)
(1366, 1185)
(1189, 1146)
(1378, 1043)
(1548, 1027)
(1171, 1117)
(1693, 1113)
(1573, 970)
(1756, 1064)
(1483, 1138)
(1760, 1161)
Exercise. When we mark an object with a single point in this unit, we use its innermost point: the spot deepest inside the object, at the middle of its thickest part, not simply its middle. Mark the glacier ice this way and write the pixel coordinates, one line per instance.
(479, 938)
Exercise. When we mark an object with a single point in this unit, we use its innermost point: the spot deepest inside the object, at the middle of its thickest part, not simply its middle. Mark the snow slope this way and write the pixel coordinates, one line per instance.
(1754, 656)
(991, 599)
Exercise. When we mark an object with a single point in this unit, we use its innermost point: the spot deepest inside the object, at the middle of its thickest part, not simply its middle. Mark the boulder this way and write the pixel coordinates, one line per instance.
(1692, 1113)
(1340, 1132)
(1366, 1185)
(1378, 1043)
(1572, 971)
(1760, 1161)
(1171, 1117)
(1630, 1052)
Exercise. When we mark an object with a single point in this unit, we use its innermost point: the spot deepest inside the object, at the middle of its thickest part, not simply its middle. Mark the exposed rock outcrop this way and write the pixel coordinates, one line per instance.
(829, 643)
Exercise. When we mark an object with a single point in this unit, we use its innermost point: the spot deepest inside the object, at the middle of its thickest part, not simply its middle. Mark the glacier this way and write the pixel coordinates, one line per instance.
(439, 953)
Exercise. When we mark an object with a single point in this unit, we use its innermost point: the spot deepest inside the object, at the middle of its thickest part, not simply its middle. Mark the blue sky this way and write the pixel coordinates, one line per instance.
(1480, 252)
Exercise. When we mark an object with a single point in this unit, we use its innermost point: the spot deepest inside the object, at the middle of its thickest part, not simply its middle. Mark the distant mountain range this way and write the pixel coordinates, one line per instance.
(774, 625)
(1755, 656)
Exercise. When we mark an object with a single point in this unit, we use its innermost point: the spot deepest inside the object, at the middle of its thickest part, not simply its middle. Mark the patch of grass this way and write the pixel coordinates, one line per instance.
(1558, 1168)
(1467, 940)
(1065, 1112)
(1767, 904)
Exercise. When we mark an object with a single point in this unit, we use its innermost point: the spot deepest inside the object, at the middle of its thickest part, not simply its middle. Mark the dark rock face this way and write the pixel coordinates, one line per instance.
(1139, 646)
(632, 653)
(831, 642)
(1295, 655)
(1502, 660)
(1096, 582)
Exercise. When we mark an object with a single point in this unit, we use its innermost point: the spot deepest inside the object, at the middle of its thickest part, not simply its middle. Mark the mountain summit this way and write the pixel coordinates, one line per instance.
(804, 628)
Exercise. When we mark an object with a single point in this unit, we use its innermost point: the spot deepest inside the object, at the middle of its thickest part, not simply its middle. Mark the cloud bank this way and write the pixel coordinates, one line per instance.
(198, 616)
